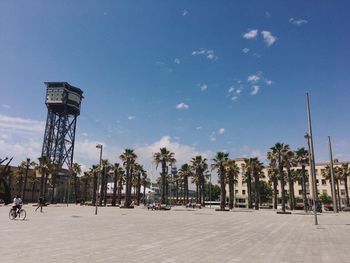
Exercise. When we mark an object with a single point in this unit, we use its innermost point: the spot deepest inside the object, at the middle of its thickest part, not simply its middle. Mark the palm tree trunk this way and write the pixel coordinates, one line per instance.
(282, 189)
(177, 191)
(163, 199)
(257, 191)
(101, 190)
(303, 186)
(33, 190)
(291, 194)
(346, 191)
(75, 188)
(231, 191)
(25, 184)
(138, 194)
(42, 179)
(120, 188)
(115, 186)
(249, 189)
(275, 196)
(223, 190)
(203, 192)
(144, 194)
(105, 190)
(338, 192)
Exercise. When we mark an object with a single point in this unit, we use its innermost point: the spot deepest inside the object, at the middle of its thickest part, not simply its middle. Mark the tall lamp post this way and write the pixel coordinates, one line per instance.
(309, 138)
(334, 196)
(98, 146)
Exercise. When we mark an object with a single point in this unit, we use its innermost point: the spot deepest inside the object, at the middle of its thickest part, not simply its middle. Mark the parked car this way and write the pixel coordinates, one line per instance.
(328, 207)
(346, 209)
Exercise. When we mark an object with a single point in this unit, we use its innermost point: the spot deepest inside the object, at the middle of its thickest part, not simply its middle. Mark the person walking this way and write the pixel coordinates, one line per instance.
(40, 204)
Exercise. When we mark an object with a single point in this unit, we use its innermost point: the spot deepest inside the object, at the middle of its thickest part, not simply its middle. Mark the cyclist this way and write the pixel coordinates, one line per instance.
(17, 203)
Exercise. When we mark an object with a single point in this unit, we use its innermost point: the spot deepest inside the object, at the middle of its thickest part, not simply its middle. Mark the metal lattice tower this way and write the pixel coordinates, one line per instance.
(63, 104)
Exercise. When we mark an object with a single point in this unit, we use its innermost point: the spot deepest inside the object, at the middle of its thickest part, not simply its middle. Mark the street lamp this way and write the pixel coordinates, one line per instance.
(309, 138)
(98, 146)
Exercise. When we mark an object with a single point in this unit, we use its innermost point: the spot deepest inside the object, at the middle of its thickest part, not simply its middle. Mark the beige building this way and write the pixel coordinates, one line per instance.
(323, 185)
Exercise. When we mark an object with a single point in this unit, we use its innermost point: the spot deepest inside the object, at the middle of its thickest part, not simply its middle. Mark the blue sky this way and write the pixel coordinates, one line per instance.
(195, 76)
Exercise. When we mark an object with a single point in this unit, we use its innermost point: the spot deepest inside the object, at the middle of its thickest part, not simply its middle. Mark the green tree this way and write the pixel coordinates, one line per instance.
(45, 168)
(200, 166)
(344, 172)
(280, 153)
(302, 159)
(219, 165)
(75, 171)
(117, 172)
(185, 172)
(265, 191)
(325, 199)
(164, 157)
(272, 172)
(128, 158)
(232, 171)
(213, 191)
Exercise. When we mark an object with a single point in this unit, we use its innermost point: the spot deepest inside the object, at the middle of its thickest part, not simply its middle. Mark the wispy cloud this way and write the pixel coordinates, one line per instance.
(199, 127)
(252, 34)
(255, 90)
(185, 12)
(297, 22)
(268, 38)
(5, 106)
(221, 131)
(253, 78)
(177, 61)
(212, 137)
(245, 50)
(21, 124)
(131, 118)
(203, 87)
(267, 15)
(209, 54)
(268, 82)
(182, 106)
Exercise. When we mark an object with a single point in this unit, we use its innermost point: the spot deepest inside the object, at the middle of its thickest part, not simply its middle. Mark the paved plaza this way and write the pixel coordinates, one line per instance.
(75, 234)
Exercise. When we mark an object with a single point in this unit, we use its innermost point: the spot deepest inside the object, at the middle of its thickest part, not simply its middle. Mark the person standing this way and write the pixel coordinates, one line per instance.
(40, 204)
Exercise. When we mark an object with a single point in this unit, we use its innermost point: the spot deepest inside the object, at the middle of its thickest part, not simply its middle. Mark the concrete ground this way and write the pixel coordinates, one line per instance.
(76, 234)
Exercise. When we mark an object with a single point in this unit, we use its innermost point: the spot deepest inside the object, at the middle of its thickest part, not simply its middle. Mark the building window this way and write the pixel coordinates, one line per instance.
(342, 192)
(324, 191)
(243, 192)
(341, 182)
(300, 192)
(236, 191)
(324, 182)
(317, 181)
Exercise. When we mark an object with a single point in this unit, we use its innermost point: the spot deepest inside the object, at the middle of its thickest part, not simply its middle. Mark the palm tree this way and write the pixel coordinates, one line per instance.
(273, 177)
(185, 172)
(200, 166)
(280, 152)
(232, 171)
(289, 162)
(55, 170)
(219, 161)
(86, 180)
(106, 167)
(94, 170)
(33, 180)
(164, 157)
(326, 173)
(128, 158)
(138, 172)
(117, 173)
(247, 168)
(344, 172)
(75, 171)
(144, 182)
(44, 167)
(302, 159)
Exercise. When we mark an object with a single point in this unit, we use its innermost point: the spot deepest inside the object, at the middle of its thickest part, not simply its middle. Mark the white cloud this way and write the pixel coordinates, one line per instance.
(297, 22)
(177, 61)
(199, 127)
(204, 87)
(245, 50)
(21, 124)
(5, 106)
(268, 38)
(183, 153)
(131, 118)
(185, 12)
(182, 106)
(267, 15)
(209, 54)
(254, 78)
(268, 82)
(252, 34)
(212, 138)
(234, 98)
(221, 131)
(255, 90)
(231, 89)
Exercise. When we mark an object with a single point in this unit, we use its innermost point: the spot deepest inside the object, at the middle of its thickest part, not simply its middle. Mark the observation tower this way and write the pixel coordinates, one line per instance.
(63, 107)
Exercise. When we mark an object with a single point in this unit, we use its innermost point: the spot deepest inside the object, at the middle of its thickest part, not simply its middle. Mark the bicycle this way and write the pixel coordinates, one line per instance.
(21, 213)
